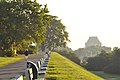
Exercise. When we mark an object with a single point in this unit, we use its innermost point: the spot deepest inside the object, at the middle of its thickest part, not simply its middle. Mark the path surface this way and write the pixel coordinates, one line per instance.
(17, 68)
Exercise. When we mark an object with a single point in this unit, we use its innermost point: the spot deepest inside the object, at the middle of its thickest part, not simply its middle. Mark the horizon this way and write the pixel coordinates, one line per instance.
(86, 18)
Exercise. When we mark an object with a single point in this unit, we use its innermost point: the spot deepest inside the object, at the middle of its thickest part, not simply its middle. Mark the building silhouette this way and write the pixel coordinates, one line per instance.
(93, 41)
(93, 47)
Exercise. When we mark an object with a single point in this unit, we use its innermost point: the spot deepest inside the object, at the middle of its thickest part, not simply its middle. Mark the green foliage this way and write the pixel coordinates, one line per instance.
(116, 55)
(98, 62)
(67, 52)
(114, 67)
(8, 53)
(22, 20)
(56, 35)
(26, 21)
(107, 62)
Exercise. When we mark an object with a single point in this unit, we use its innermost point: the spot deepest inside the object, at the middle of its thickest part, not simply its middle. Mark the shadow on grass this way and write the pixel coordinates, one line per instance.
(52, 73)
(51, 78)
(51, 66)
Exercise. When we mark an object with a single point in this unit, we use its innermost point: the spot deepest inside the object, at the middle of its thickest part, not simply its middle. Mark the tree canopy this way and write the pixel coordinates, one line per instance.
(56, 35)
(26, 21)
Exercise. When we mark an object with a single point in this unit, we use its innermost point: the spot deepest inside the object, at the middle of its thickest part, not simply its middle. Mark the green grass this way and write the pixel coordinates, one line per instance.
(107, 76)
(8, 60)
(61, 68)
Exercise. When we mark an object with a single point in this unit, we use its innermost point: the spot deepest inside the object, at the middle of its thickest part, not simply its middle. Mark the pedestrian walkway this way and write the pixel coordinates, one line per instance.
(17, 68)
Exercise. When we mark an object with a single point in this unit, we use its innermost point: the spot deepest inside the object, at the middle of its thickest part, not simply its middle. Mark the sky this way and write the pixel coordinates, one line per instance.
(86, 18)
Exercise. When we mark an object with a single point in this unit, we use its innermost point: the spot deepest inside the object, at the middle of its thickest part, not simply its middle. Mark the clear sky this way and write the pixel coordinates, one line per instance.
(85, 18)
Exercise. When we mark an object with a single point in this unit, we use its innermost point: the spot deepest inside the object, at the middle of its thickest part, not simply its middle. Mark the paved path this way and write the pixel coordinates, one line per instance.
(17, 68)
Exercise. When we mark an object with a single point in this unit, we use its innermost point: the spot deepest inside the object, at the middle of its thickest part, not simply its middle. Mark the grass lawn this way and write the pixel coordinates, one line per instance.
(61, 68)
(8, 60)
(107, 76)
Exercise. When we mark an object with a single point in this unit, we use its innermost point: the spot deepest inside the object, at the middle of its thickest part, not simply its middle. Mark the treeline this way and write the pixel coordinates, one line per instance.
(107, 62)
(23, 22)
(68, 53)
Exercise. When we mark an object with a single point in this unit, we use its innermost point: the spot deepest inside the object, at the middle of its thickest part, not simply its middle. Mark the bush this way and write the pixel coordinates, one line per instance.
(97, 63)
(20, 52)
(2, 53)
(8, 53)
(112, 68)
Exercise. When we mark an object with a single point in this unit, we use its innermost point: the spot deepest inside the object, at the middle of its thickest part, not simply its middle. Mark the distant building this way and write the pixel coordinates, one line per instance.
(93, 41)
(92, 48)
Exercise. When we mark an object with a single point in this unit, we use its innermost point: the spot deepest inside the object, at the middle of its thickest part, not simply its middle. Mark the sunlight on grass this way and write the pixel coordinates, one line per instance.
(8, 60)
(61, 68)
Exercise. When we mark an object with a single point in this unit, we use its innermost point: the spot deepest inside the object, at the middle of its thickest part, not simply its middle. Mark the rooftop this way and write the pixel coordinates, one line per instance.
(93, 41)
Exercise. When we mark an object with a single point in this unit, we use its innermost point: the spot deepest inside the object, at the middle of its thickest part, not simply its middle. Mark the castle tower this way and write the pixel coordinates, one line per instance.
(93, 41)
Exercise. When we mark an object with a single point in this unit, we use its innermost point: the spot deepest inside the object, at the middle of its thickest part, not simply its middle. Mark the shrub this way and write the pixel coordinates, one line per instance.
(2, 53)
(112, 68)
(8, 53)
(97, 63)
(20, 52)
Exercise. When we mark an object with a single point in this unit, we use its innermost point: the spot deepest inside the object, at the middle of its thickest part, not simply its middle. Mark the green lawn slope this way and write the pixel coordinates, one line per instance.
(8, 60)
(61, 68)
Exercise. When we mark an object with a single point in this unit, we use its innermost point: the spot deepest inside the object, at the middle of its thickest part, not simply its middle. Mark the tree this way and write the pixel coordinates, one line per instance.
(21, 20)
(114, 67)
(98, 62)
(56, 35)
